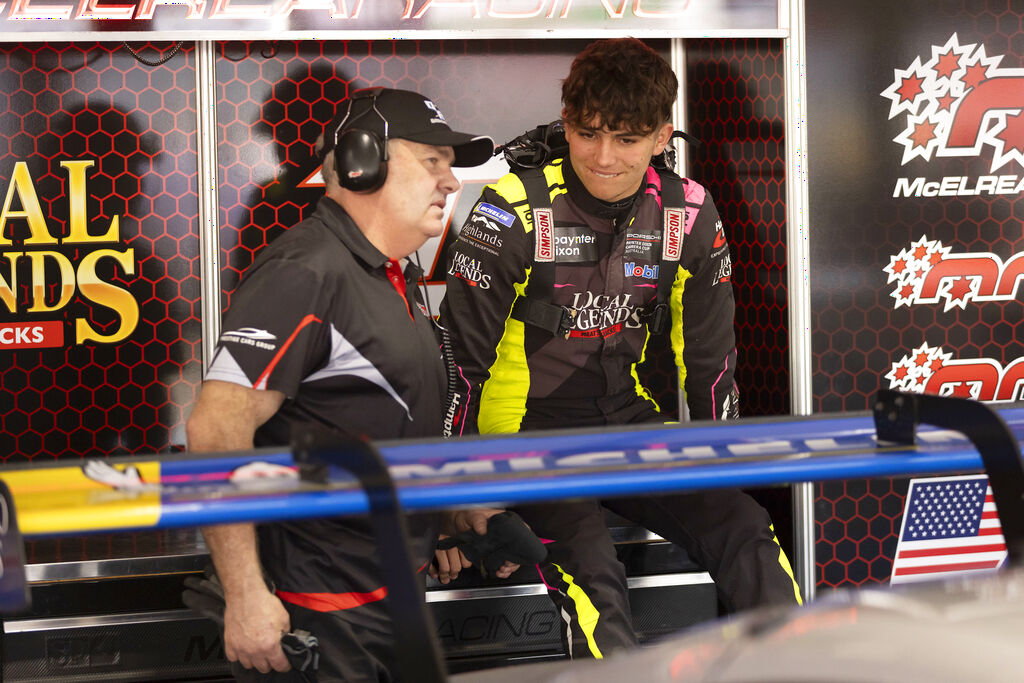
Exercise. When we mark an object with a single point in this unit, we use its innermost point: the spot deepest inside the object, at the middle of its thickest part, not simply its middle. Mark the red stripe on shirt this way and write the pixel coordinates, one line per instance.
(261, 382)
(329, 602)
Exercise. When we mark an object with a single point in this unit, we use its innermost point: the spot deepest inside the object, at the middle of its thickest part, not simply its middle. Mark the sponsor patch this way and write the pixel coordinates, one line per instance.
(575, 244)
(641, 270)
(724, 271)
(642, 245)
(672, 246)
(250, 336)
(482, 233)
(544, 240)
(470, 270)
(494, 213)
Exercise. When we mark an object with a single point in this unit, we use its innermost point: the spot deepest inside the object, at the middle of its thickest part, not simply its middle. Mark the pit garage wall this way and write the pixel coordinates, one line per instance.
(915, 261)
(89, 126)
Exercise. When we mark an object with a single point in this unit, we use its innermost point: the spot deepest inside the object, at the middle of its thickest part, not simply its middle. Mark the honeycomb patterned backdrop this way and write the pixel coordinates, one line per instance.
(71, 101)
(736, 100)
(858, 227)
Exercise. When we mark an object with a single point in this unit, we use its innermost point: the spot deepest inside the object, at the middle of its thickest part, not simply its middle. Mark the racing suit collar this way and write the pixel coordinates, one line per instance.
(591, 204)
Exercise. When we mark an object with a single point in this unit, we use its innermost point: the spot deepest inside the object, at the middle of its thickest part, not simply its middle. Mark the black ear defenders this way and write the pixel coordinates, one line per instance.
(361, 156)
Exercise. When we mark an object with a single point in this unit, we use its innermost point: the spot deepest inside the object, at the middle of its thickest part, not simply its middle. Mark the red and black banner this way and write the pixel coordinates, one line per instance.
(916, 130)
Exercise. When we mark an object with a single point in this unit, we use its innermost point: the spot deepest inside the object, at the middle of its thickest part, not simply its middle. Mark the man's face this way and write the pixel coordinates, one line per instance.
(612, 163)
(419, 179)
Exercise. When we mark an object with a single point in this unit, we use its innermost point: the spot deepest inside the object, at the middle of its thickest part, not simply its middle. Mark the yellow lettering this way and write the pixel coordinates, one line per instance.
(9, 288)
(113, 297)
(67, 281)
(77, 218)
(21, 184)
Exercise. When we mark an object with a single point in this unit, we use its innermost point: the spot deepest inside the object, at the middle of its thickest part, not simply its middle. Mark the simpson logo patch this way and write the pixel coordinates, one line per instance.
(494, 213)
(672, 246)
(544, 226)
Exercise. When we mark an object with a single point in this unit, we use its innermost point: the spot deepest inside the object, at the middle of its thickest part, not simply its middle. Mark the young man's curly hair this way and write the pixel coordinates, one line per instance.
(619, 83)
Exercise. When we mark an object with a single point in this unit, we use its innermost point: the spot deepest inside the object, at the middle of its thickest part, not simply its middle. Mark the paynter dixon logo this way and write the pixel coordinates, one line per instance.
(927, 273)
(960, 103)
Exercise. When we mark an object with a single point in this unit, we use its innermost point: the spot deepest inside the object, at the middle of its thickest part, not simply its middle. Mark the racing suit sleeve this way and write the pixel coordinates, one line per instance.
(486, 264)
(703, 309)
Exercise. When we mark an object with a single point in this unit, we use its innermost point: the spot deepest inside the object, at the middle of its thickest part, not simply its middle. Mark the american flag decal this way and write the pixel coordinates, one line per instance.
(950, 526)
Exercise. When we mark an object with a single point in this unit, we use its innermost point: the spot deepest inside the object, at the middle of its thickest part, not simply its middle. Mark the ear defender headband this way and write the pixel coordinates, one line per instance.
(361, 156)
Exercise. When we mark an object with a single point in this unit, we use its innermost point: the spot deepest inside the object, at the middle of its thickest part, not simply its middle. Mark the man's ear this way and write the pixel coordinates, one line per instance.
(661, 139)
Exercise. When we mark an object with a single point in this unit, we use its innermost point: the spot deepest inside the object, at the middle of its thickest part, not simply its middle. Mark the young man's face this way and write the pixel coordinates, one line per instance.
(419, 179)
(612, 163)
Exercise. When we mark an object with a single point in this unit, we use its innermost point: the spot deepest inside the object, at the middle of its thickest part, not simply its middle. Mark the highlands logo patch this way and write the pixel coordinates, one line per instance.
(932, 370)
(927, 272)
(959, 103)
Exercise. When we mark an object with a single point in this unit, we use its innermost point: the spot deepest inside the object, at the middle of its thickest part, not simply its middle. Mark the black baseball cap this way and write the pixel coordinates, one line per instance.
(407, 115)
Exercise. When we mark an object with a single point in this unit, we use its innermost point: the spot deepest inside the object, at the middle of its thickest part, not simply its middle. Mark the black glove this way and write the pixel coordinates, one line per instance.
(508, 539)
(206, 596)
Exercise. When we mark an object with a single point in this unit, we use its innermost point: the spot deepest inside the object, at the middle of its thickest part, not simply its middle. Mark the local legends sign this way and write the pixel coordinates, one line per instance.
(43, 272)
(956, 101)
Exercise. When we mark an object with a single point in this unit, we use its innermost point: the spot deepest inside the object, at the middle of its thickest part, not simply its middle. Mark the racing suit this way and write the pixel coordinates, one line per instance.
(513, 375)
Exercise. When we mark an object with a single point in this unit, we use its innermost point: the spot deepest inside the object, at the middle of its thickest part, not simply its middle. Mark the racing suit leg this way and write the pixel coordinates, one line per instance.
(584, 578)
(729, 534)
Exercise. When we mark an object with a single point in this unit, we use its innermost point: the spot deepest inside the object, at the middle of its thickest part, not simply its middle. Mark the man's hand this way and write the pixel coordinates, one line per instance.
(253, 625)
(450, 562)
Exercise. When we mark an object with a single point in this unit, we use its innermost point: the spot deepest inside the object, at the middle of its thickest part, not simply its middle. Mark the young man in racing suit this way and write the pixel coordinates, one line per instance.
(550, 305)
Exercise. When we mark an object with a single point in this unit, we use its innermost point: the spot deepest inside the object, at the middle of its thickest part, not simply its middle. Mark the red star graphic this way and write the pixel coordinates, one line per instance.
(946, 102)
(921, 252)
(960, 289)
(899, 266)
(948, 63)
(962, 389)
(924, 132)
(936, 365)
(976, 73)
(935, 258)
(910, 89)
(920, 359)
(1013, 134)
(907, 291)
(901, 373)
(918, 274)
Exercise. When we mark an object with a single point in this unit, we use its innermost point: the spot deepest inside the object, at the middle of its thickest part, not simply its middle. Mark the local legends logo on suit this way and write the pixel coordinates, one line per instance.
(960, 103)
